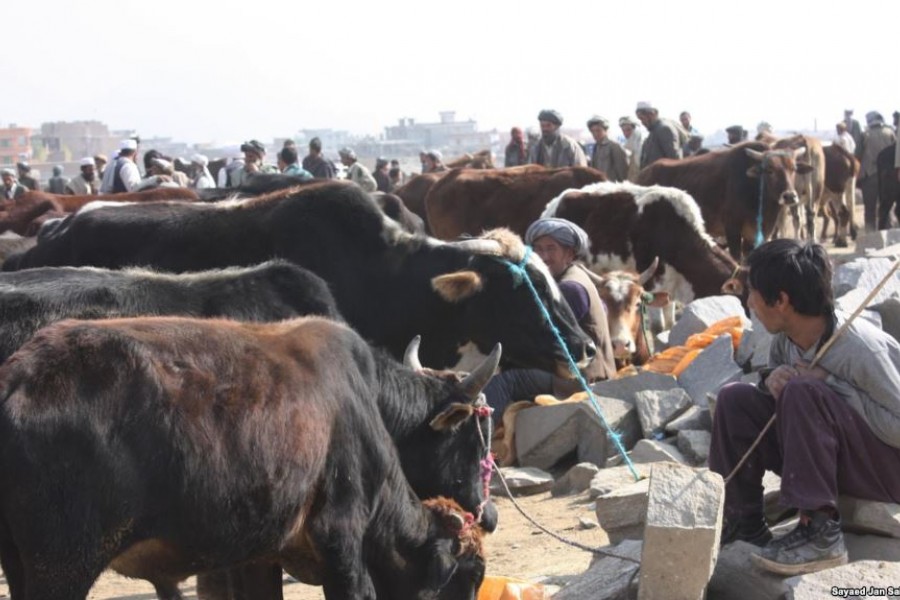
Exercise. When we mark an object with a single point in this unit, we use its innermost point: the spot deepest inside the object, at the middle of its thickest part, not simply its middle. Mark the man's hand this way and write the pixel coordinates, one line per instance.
(778, 378)
(804, 369)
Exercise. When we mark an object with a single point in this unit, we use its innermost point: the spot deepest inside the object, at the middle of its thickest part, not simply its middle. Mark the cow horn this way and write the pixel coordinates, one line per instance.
(646, 275)
(475, 381)
(479, 246)
(411, 356)
(758, 156)
(799, 152)
(597, 279)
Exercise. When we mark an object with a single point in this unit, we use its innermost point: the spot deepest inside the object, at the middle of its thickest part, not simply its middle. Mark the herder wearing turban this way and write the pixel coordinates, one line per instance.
(559, 243)
(555, 149)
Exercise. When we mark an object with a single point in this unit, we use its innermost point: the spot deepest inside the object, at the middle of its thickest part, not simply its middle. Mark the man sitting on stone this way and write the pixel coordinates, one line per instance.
(838, 424)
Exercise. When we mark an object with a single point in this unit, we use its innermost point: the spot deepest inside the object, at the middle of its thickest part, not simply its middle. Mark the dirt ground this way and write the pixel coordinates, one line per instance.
(516, 549)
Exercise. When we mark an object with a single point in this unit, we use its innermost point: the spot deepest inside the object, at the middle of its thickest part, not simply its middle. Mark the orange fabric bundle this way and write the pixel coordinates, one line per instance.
(496, 587)
(676, 359)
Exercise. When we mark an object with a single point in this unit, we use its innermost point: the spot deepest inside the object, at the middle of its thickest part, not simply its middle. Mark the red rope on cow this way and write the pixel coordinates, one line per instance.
(487, 463)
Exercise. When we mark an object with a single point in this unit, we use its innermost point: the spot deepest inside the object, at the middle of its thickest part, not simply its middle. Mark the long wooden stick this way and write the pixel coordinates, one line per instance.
(828, 344)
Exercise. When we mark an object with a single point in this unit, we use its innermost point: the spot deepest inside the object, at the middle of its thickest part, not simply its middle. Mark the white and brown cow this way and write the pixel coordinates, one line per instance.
(630, 225)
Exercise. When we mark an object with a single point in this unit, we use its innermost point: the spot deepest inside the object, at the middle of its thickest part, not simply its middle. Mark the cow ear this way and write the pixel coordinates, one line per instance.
(442, 566)
(804, 168)
(452, 416)
(753, 172)
(455, 287)
(734, 287)
(660, 299)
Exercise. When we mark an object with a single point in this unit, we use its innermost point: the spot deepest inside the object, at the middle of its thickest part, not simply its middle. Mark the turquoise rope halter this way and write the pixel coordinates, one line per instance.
(520, 274)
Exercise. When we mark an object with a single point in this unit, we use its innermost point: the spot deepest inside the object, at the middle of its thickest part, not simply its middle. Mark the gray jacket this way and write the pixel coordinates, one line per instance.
(565, 152)
(874, 140)
(662, 142)
(864, 367)
(610, 157)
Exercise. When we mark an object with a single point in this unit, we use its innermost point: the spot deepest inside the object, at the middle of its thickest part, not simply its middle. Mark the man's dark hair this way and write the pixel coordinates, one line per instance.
(315, 144)
(289, 155)
(800, 270)
(149, 156)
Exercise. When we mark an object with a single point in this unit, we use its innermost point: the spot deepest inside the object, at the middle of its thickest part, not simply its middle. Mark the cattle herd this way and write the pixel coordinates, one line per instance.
(233, 385)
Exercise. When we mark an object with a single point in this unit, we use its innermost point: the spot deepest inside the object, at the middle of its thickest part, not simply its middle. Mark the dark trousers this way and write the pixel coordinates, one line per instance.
(514, 385)
(869, 187)
(819, 445)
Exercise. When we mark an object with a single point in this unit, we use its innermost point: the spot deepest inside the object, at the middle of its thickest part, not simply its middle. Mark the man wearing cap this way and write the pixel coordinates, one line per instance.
(736, 135)
(877, 137)
(434, 162)
(843, 138)
(100, 162)
(25, 177)
(356, 172)
(634, 139)
(12, 189)
(122, 175)
(516, 151)
(315, 163)
(560, 243)
(853, 127)
(86, 182)
(203, 179)
(254, 153)
(57, 183)
(382, 179)
(608, 156)
(690, 131)
(662, 138)
(555, 149)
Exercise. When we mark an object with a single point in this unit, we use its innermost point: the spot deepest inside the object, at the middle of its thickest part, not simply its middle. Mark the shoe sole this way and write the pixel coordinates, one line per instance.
(798, 569)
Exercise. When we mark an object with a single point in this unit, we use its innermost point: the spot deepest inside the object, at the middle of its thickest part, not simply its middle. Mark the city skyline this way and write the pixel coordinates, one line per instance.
(182, 71)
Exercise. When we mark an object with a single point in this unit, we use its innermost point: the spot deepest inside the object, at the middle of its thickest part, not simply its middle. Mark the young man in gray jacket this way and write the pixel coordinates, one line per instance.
(837, 429)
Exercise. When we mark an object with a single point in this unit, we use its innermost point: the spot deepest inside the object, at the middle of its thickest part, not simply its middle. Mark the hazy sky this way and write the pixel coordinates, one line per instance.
(227, 71)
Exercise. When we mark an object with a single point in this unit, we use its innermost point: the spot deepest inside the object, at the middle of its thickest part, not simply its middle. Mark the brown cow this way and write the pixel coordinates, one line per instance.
(810, 186)
(18, 215)
(726, 186)
(72, 203)
(839, 198)
(480, 160)
(630, 225)
(470, 201)
(626, 303)
(413, 193)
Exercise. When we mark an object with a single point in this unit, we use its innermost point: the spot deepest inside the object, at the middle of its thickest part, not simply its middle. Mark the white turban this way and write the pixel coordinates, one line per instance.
(200, 160)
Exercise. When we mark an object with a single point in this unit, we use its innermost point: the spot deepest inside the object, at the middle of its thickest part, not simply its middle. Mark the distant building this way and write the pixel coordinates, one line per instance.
(63, 141)
(15, 144)
(439, 135)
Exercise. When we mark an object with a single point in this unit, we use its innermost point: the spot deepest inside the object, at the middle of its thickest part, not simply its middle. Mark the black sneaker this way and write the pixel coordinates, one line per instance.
(815, 544)
(753, 530)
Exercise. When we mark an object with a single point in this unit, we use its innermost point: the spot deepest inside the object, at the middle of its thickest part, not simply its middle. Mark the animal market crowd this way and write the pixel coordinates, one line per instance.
(838, 419)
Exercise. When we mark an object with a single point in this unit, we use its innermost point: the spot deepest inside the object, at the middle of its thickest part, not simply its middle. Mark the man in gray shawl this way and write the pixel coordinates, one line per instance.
(555, 149)
(559, 243)
(608, 156)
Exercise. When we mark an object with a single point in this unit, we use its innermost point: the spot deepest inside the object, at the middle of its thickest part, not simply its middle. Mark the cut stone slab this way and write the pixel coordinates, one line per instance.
(656, 408)
(522, 481)
(695, 445)
(546, 434)
(613, 478)
(753, 351)
(850, 301)
(607, 578)
(889, 310)
(713, 368)
(694, 418)
(735, 577)
(867, 516)
(862, 273)
(684, 512)
(771, 495)
(626, 387)
(576, 480)
(585, 523)
(863, 576)
(871, 547)
(651, 451)
(877, 240)
(700, 314)
(621, 512)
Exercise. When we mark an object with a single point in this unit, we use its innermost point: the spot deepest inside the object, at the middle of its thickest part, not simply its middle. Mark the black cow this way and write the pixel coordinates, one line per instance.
(272, 291)
(164, 447)
(257, 185)
(888, 187)
(389, 285)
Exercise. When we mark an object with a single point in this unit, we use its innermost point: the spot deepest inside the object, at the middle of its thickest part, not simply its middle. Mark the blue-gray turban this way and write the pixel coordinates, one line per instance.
(565, 233)
(551, 116)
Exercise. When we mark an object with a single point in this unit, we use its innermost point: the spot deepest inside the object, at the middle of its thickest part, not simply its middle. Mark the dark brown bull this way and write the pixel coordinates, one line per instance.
(726, 186)
(839, 199)
(469, 202)
(19, 215)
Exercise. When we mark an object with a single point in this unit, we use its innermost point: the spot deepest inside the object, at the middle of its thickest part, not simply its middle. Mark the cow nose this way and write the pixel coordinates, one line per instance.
(789, 198)
(622, 348)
